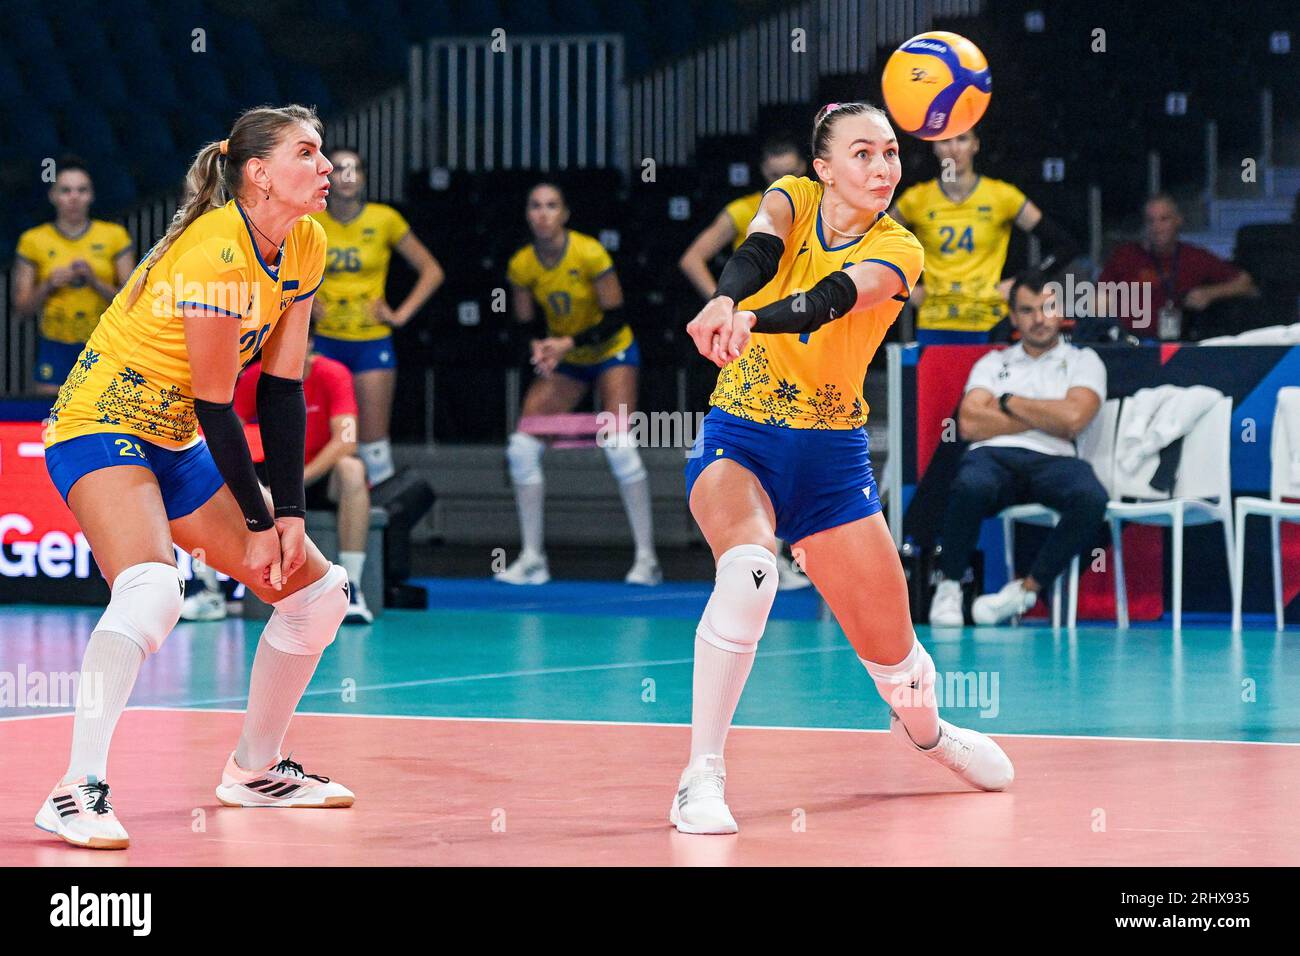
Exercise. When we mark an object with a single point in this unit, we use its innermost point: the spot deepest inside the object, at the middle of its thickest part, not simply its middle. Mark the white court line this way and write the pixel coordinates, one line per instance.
(532, 672)
(654, 723)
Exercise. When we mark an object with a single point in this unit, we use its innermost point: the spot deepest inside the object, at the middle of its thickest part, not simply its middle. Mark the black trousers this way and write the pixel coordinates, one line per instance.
(990, 479)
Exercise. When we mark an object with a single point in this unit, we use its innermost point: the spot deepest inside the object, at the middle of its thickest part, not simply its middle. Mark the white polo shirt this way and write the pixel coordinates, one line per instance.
(1051, 375)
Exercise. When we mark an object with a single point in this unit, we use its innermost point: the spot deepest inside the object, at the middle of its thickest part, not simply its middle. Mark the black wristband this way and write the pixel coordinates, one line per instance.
(282, 417)
(224, 433)
(1002, 404)
(750, 267)
(804, 312)
(1058, 246)
(605, 329)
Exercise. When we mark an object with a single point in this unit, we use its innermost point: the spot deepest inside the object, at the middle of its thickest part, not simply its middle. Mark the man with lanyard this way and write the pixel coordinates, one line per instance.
(1182, 278)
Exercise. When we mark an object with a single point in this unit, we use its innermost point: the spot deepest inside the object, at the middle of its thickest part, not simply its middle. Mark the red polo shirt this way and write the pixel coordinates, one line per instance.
(1187, 268)
(327, 389)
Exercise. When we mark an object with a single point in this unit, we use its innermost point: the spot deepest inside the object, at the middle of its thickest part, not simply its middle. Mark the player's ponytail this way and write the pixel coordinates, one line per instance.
(217, 173)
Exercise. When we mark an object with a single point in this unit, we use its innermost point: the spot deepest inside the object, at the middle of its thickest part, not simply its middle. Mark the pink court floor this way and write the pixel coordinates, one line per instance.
(507, 792)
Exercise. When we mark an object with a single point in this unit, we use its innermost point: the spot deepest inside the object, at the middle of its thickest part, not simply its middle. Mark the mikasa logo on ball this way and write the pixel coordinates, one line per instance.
(927, 45)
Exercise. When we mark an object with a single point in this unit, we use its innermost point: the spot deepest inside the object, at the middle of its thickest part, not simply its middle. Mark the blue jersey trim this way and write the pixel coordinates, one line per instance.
(778, 189)
(248, 225)
(307, 295)
(209, 308)
(888, 264)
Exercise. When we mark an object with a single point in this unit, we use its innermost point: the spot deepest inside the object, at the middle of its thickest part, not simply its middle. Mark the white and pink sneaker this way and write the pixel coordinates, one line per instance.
(282, 784)
(79, 813)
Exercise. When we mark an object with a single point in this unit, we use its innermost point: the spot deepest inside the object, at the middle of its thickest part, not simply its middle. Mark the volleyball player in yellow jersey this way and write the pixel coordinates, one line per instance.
(353, 319)
(65, 272)
(800, 310)
(234, 275)
(588, 342)
(964, 223)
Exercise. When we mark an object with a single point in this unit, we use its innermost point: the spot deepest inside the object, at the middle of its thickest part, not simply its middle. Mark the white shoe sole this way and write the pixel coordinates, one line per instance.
(47, 821)
(530, 580)
(723, 830)
(239, 796)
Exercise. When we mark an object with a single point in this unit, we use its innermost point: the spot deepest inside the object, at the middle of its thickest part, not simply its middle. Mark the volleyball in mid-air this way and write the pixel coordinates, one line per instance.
(937, 85)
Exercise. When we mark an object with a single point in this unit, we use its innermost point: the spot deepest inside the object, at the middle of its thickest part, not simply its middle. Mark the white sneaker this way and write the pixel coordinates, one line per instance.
(645, 571)
(283, 784)
(701, 802)
(79, 812)
(788, 575)
(204, 605)
(1012, 601)
(526, 569)
(975, 758)
(945, 606)
(358, 613)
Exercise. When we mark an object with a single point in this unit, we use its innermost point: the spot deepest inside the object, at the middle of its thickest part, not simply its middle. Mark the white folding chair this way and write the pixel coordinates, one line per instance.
(1202, 494)
(1096, 445)
(1284, 483)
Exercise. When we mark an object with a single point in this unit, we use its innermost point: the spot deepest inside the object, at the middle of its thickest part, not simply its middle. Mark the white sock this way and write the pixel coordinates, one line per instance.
(108, 672)
(718, 681)
(377, 456)
(636, 502)
(908, 688)
(530, 499)
(353, 563)
(274, 691)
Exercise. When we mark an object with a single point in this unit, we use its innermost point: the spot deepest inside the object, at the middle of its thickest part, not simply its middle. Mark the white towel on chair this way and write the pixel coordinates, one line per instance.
(1159, 416)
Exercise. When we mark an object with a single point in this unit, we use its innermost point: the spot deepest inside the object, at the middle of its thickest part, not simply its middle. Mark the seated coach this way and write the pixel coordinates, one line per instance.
(1022, 411)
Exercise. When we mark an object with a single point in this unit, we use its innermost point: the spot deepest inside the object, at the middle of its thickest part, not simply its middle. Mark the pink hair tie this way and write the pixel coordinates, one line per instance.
(832, 107)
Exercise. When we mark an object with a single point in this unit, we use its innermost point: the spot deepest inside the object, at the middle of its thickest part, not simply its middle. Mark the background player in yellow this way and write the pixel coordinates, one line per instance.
(800, 310)
(354, 321)
(231, 277)
(964, 222)
(588, 343)
(66, 271)
(780, 157)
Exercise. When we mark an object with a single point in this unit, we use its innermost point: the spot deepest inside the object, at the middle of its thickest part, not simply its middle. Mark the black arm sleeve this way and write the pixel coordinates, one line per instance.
(282, 415)
(224, 434)
(1058, 246)
(604, 329)
(750, 267)
(808, 311)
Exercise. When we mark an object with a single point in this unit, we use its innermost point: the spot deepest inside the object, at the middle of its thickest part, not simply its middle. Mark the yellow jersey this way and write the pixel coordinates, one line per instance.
(70, 313)
(740, 212)
(965, 251)
(815, 380)
(567, 295)
(133, 376)
(356, 270)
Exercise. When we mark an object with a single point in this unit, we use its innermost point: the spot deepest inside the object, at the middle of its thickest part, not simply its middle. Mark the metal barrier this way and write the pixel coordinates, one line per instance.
(517, 102)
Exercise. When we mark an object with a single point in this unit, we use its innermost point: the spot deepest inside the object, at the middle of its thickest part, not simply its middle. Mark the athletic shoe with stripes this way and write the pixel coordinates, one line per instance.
(79, 812)
(700, 805)
(283, 784)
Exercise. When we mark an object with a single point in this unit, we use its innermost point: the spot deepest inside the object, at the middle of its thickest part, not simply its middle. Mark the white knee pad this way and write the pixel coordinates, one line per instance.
(743, 591)
(909, 683)
(524, 453)
(624, 461)
(146, 604)
(307, 621)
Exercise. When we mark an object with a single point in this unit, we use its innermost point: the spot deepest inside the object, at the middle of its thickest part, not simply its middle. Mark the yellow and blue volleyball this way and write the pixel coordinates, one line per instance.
(937, 85)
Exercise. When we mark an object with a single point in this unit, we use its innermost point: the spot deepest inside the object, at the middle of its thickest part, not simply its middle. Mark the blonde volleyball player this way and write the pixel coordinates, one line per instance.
(66, 271)
(588, 342)
(354, 322)
(235, 273)
(799, 312)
